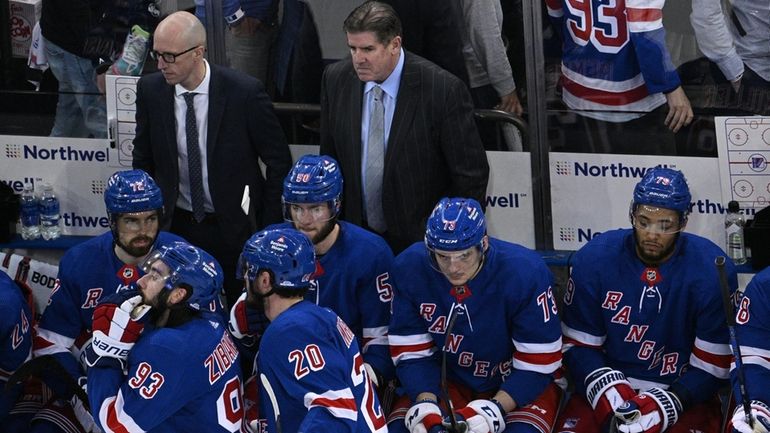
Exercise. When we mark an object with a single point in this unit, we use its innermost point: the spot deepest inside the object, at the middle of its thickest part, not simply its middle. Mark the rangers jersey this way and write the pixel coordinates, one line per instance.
(87, 273)
(661, 326)
(353, 280)
(173, 385)
(506, 331)
(317, 379)
(753, 327)
(614, 57)
(15, 337)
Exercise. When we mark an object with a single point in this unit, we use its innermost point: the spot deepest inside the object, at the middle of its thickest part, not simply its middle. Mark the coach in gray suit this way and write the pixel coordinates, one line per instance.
(401, 128)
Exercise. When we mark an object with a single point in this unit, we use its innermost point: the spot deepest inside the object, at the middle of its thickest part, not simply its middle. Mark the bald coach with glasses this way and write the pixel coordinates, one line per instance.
(200, 131)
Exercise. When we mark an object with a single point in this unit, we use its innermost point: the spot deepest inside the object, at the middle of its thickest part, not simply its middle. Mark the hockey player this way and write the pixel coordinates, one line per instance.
(99, 267)
(15, 339)
(645, 340)
(312, 374)
(159, 359)
(352, 278)
(753, 332)
(617, 72)
(475, 315)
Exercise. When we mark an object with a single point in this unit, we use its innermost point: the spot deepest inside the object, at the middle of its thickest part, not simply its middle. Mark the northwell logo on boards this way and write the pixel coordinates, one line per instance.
(577, 169)
(61, 153)
(510, 200)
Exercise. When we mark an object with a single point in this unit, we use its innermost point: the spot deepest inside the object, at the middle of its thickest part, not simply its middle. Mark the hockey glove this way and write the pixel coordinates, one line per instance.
(424, 417)
(760, 413)
(606, 390)
(118, 322)
(482, 416)
(247, 321)
(652, 411)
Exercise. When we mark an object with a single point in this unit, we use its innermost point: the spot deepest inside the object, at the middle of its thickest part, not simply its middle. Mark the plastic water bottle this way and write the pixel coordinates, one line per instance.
(30, 213)
(734, 223)
(49, 213)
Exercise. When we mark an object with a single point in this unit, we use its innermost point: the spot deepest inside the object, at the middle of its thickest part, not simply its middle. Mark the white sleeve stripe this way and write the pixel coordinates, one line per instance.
(55, 339)
(123, 419)
(380, 331)
(644, 26)
(582, 337)
(645, 4)
(339, 403)
(537, 368)
(554, 346)
(749, 350)
(409, 340)
(714, 348)
(414, 355)
(755, 360)
(716, 371)
(379, 341)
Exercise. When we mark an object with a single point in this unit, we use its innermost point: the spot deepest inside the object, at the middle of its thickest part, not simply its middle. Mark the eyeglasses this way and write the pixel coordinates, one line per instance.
(169, 57)
(660, 227)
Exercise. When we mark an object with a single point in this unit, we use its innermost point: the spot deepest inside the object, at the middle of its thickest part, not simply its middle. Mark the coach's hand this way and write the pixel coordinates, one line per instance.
(652, 411)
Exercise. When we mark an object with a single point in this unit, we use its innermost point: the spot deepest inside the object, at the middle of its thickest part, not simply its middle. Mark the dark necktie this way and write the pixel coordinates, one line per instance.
(195, 172)
(375, 163)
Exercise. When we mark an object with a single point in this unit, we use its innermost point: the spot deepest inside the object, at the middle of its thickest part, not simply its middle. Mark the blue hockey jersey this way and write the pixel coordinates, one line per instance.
(15, 337)
(183, 379)
(661, 326)
(88, 272)
(353, 281)
(614, 57)
(506, 335)
(311, 360)
(753, 333)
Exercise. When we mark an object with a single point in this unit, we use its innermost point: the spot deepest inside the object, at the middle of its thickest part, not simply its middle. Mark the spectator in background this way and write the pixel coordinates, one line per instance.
(489, 71)
(401, 128)
(617, 75)
(252, 26)
(201, 131)
(81, 110)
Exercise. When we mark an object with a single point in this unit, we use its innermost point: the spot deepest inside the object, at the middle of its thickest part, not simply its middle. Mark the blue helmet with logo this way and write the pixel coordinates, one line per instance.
(313, 179)
(455, 224)
(664, 188)
(287, 253)
(190, 266)
(132, 191)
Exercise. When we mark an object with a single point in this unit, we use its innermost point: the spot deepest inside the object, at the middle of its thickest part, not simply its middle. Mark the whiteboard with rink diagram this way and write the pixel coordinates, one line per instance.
(744, 152)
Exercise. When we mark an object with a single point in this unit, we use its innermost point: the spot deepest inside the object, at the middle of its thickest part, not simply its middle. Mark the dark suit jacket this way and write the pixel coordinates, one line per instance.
(242, 127)
(433, 149)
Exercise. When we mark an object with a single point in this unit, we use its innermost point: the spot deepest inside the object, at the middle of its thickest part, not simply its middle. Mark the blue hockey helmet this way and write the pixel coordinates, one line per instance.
(313, 179)
(192, 267)
(455, 224)
(286, 253)
(132, 191)
(664, 188)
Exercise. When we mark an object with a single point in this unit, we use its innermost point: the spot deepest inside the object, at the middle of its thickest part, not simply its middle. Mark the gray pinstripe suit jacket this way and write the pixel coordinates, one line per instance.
(433, 149)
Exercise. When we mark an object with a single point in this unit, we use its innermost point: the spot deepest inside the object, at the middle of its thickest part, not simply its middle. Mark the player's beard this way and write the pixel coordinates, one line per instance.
(323, 232)
(138, 251)
(654, 259)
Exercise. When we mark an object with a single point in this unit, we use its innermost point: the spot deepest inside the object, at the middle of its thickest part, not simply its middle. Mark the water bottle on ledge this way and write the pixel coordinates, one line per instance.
(49, 213)
(30, 213)
(734, 223)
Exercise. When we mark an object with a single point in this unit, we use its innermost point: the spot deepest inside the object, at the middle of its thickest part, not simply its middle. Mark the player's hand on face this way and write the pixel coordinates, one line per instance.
(760, 415)
(424, 417)
(679, 110)
(652, 411)
(481, 416)
(246, 319)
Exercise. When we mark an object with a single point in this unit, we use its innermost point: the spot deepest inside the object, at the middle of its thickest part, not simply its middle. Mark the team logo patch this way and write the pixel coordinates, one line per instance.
(651, 276)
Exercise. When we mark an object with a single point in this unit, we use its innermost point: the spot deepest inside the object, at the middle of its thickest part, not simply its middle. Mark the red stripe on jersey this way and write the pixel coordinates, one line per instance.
(396, 351)
(538, 358)
(721, 361)
(112, 420)
(567, 341)
(643, 15)
(603, 96)
(40, 343)
(338, 403)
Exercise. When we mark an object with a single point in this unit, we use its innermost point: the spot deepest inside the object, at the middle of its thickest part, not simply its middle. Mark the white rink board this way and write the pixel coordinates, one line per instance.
(591, 193)
(744, 151)
(78, 169)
